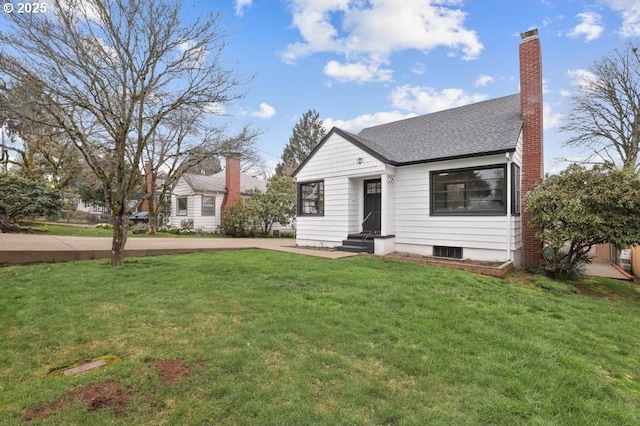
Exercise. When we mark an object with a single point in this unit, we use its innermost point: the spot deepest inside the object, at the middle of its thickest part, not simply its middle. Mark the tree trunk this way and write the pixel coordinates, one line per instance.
(153, 207)
(120, 224)
(8, 226)
(152, 227)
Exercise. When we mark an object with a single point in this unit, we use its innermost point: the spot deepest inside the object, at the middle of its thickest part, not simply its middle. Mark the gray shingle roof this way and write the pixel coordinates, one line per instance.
(216, 182)
(485, 127)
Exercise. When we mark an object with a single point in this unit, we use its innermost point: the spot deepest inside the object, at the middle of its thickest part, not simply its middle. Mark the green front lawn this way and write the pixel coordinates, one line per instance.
(268, 338)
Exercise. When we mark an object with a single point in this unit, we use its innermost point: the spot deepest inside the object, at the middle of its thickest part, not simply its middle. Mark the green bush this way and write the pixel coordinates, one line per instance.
(242, 218)
(21, 198)
(186, 226)
(580, 208)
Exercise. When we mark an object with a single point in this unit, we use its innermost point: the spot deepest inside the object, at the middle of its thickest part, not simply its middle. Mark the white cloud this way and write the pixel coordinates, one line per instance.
(367, 120)
(264, 112)
(241, 5)
(630, 11)
(591, 26)
(194, 55)
(80, 9)
(550, 119)
(214, 108)
(565, 93)
(370, 31)
(360, 72)
(581, 78)
(425, 100)
(483, 80)
(418, 69)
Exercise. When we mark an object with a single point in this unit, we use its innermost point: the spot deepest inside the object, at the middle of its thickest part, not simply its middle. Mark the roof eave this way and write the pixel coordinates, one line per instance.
(454, 157)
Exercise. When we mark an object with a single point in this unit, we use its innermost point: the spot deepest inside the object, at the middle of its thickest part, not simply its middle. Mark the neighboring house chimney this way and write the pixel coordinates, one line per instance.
(532, 158)
(232, 180)
(148, 170)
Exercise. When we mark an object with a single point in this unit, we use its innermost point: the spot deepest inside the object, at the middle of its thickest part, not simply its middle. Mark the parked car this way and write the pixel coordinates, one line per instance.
(140, 217)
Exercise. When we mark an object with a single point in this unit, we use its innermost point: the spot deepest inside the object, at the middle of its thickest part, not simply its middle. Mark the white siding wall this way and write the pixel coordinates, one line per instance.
(482, 237)
(181, 189)
(355, 199)
(340, 164)
(194, 208)
(207, 223)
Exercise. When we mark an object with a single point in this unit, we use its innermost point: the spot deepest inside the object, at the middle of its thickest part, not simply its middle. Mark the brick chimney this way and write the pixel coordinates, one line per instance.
(232, 180)
(148, 170)
(532, 158)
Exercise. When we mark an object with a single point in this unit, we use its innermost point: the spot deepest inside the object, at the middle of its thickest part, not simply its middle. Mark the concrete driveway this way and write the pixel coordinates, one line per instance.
(27, 248)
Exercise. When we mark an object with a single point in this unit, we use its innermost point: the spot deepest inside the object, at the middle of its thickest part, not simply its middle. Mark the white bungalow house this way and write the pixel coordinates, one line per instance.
(203, 198)
(446, 184)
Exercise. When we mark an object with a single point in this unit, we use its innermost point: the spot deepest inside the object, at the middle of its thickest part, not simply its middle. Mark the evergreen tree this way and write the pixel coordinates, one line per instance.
(306, 134)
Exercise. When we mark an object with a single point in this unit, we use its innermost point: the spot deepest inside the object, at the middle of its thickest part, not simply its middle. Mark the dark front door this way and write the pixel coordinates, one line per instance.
(372, 205)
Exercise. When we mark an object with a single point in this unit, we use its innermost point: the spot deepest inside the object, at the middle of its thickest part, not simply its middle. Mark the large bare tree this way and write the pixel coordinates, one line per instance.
(113, 73)
(605, 115)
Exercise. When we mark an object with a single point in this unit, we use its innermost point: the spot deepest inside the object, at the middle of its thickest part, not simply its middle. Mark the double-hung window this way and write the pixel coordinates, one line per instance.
(182, 207)
(208, 205)
(469, 191)
(311, 198)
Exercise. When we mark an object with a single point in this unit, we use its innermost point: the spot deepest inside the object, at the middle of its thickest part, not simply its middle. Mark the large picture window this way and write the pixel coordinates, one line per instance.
(208, 205)
(181, 209)
(311, 198)
(472, 191)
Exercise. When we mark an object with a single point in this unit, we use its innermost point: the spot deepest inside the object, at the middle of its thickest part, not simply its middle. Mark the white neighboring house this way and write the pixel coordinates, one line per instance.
(203, 198)
(90, 208)
(446, 184)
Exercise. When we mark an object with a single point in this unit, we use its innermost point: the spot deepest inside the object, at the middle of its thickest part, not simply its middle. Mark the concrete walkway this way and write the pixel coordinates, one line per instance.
(606, 270)
(26, 248)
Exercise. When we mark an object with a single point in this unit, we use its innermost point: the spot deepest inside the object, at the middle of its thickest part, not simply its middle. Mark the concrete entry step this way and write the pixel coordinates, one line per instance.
(357, 245)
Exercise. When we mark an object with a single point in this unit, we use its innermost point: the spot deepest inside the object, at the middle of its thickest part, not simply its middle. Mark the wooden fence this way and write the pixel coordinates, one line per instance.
(635, 261)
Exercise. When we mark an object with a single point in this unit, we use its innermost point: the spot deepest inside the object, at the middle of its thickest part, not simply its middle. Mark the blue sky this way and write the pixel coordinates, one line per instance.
(362, 63)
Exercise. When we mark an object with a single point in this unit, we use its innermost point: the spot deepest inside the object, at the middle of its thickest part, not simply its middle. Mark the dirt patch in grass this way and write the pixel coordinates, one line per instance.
(171, 371)
(111, 394)
(95, 396)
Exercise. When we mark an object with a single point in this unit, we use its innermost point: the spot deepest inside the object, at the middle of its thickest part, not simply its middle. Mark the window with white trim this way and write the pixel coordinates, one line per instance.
(182, 206)
(208, 205)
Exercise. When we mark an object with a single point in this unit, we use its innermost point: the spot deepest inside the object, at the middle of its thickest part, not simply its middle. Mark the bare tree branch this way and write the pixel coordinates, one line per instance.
(605, 116)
